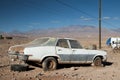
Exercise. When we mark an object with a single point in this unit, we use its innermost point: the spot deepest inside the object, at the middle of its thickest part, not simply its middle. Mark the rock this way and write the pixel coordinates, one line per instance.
(26, 74)
(113, 75)
(56, 73)
(0, 75)
(14, 79)
(73, 75)
(104, 73)
(89, 79)
(30, 78)
(73, 68)
(37, 79)
(13, 74)
(82, 78)
(64, 75)
(40, 74)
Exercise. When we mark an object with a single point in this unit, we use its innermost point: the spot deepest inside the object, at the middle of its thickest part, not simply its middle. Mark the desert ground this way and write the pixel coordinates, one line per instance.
(110, 71)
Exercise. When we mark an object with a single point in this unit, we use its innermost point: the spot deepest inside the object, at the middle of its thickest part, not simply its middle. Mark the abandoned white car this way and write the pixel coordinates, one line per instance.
(53, 51)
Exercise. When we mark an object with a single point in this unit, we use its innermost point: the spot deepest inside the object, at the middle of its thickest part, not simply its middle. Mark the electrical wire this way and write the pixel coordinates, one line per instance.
(83, 12)
(30, 4)
(70, 6)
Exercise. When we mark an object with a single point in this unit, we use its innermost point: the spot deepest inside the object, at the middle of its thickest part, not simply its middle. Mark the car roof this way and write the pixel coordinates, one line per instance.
(57, 38)
(63, 38)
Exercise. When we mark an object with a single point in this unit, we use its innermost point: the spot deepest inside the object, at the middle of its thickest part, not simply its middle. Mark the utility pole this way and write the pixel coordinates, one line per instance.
(100, 23)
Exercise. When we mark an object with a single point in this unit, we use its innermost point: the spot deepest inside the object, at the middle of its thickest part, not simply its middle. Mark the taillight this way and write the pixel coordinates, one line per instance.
(21, 52)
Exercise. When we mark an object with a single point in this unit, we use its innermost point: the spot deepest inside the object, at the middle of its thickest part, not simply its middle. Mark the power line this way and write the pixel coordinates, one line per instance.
(31, 4)
(110, 23)
(74, 8)
(83, 12)
(35, 6)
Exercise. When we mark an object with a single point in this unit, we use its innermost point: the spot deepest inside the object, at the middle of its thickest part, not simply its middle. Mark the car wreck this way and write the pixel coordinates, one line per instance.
(50, 52)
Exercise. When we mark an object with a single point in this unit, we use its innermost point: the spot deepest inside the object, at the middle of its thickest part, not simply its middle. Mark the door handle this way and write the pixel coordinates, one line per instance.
(59, 50)
(73, 50)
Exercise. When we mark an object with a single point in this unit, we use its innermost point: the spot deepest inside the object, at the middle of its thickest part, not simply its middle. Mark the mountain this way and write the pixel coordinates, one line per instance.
(75, 31)
(116, 30)
(69, 31)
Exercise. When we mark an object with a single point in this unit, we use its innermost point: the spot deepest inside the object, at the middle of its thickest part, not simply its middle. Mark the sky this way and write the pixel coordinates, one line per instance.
(25, 15)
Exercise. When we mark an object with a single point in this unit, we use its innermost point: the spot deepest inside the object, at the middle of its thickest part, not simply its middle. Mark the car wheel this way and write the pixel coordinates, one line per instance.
(19, 67)
(115, 50)
(49, 64)
(97, 61)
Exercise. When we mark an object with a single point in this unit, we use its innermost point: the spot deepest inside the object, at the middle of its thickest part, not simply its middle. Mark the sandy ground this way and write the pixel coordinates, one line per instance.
(64, 72)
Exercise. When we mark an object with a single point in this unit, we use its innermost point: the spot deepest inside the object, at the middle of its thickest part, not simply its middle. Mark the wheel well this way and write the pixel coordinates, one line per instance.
(98, 56)
(50, 56)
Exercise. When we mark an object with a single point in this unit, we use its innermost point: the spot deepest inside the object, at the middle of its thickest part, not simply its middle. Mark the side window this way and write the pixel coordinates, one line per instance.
(75, 44)
(62, 43)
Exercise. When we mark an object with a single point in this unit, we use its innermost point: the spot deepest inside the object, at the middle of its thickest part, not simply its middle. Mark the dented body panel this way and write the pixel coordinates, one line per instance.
(63, 49)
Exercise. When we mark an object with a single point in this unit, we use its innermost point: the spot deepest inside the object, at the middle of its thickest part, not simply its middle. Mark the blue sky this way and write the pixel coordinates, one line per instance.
(24, 15)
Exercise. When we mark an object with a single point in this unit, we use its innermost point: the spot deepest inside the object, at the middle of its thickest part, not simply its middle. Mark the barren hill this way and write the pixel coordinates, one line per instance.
(76, 31)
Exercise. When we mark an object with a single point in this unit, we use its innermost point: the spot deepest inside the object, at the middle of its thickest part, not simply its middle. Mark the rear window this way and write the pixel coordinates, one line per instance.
(43, 42)
(62, 43)
(39, 41)
(75, 44)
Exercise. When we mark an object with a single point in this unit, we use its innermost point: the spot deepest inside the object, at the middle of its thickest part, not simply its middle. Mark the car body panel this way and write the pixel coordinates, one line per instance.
(64, 49)
(64, 54)
(38, 53)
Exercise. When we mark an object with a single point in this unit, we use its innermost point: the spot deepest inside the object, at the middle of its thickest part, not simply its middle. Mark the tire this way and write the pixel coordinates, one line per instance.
(115, 50)
(49, 64)
(18, 67)
(97, 62)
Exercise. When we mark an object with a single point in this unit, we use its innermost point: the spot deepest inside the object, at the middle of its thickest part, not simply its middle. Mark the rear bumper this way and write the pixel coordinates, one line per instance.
(18, 56)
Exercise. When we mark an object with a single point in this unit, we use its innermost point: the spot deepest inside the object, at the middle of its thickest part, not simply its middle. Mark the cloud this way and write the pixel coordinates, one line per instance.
(85, 18)
(106, 18)
(32, 25)
(35, 23)
(116, 18)
(28, 26)
(55, 21)
(110, 18)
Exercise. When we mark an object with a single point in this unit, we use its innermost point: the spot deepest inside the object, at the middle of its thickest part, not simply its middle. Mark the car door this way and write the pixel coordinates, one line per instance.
(63, 50)
(78, 55)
